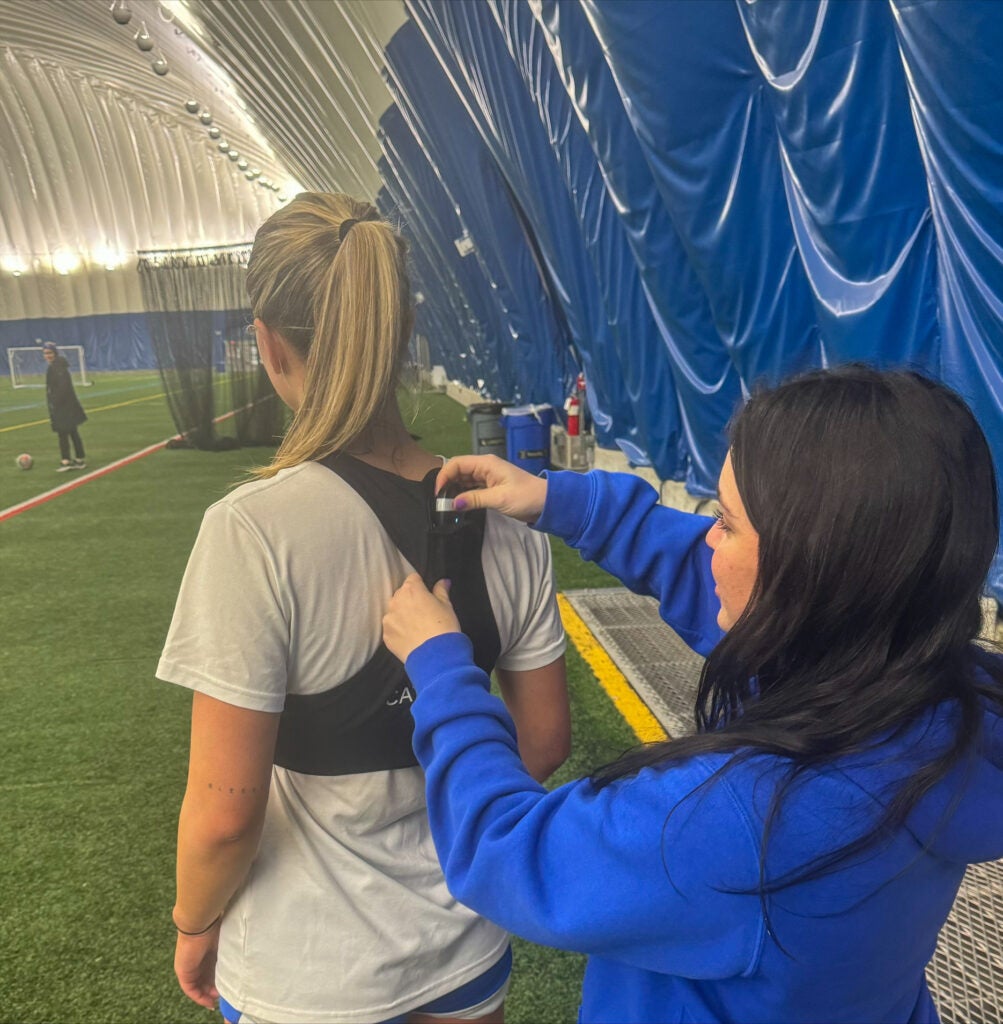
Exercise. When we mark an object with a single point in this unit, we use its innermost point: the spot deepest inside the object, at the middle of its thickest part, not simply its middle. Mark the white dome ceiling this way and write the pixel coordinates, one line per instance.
(100, 158)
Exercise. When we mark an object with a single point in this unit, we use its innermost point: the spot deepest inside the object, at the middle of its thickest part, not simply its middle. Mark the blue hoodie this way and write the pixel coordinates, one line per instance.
(649, 875)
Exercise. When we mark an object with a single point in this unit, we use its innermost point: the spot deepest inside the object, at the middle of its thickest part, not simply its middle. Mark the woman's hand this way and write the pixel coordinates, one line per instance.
(503, 486)
(195, 966)
(416, 615)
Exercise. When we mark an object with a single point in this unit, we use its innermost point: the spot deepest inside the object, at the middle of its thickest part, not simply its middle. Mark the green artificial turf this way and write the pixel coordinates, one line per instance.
(95, 748)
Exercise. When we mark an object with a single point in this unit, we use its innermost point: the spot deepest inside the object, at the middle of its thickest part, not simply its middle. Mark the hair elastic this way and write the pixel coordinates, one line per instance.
(212, 924)
(346, 226)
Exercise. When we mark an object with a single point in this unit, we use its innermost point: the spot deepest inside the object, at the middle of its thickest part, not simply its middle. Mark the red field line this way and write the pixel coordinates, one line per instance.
(70, 485)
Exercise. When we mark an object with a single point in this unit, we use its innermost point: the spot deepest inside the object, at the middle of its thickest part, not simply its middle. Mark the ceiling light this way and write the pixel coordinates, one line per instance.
(192, 106)
(160, 66)
(214, 132)
(121, 12)
(64, 262)
(143, 40)
(205, 117)
(107, 257)
(13, 265)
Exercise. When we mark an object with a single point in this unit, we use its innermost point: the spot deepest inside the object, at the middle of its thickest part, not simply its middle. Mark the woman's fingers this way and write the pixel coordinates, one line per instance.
(416, 614)
(470, 471)
(195, 967)
(489, 482)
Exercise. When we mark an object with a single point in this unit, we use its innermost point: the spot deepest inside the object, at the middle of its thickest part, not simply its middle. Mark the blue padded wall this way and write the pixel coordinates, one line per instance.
(534, 363)
(717, 195)
(111, 341)
(472, 350)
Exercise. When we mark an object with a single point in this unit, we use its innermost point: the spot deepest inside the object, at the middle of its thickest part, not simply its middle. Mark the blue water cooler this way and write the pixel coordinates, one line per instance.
(527, 436)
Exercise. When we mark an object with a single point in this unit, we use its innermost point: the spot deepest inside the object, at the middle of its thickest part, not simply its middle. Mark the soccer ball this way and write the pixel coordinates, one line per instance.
(24, 461)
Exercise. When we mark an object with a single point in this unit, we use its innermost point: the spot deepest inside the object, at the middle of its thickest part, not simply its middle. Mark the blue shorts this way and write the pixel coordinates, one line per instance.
(476, 995)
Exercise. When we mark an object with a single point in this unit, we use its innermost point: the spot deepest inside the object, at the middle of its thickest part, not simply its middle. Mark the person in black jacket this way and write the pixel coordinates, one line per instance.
(65, 411)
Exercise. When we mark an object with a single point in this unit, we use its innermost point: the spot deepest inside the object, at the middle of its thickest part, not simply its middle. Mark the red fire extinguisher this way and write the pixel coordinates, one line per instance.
(574, 416)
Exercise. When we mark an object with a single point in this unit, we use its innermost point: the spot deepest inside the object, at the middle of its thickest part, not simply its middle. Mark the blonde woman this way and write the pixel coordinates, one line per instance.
(308, 888)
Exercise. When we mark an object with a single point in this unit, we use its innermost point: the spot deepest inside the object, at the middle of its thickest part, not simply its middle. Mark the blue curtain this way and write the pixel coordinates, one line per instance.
(706, 197)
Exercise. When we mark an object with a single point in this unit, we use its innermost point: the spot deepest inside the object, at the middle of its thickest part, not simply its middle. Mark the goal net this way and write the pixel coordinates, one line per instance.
(28, 365)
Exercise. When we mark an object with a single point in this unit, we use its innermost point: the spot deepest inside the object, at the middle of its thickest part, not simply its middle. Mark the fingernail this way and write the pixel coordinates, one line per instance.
(459, 504)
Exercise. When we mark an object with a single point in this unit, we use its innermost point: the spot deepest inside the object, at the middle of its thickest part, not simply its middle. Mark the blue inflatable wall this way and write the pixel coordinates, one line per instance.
(689, 199)
(530, 336)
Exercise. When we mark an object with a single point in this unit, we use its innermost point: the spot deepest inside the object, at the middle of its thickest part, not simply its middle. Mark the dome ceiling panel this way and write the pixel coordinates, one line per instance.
(98, 155)
(309, 72)
(82, 35)
(101, 168)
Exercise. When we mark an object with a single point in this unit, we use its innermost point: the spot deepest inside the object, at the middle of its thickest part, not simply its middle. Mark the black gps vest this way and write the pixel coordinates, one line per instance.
(364, 724)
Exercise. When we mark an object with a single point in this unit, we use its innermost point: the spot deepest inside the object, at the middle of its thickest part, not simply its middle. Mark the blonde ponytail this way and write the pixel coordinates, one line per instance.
(339, 293)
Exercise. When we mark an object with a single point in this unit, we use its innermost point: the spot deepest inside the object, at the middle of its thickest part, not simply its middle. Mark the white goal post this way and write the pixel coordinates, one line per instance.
(28, 365)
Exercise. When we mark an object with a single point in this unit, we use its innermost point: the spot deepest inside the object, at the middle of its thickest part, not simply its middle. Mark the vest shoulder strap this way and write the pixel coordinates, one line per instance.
(364, 723)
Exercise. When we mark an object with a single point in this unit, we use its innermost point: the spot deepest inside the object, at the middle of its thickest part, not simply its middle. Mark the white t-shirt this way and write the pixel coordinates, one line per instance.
(344, 915)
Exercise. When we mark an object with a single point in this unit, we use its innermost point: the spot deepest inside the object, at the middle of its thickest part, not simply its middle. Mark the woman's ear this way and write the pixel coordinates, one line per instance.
(272, 348)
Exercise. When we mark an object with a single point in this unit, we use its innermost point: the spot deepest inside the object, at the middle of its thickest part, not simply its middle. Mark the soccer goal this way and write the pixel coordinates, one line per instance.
(28, 365)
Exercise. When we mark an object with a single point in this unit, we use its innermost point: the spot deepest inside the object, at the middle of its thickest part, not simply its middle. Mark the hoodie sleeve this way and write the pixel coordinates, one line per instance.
(614, 519)
(637, 871)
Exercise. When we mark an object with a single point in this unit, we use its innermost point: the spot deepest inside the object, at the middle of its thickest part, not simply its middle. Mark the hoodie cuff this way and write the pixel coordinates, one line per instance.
(438, 657)
(569, 501)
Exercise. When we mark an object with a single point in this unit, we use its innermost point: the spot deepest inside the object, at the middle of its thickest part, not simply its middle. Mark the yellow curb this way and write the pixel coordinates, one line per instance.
(635, 712)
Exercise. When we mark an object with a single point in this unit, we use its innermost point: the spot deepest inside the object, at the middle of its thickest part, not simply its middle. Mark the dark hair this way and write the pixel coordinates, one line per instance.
(874, 497)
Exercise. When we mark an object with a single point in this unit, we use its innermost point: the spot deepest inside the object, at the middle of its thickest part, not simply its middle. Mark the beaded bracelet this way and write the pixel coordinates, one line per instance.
(212, 924)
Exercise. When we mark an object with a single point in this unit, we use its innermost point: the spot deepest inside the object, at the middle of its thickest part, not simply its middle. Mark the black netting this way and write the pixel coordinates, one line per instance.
(259, 415)
(197, 312)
